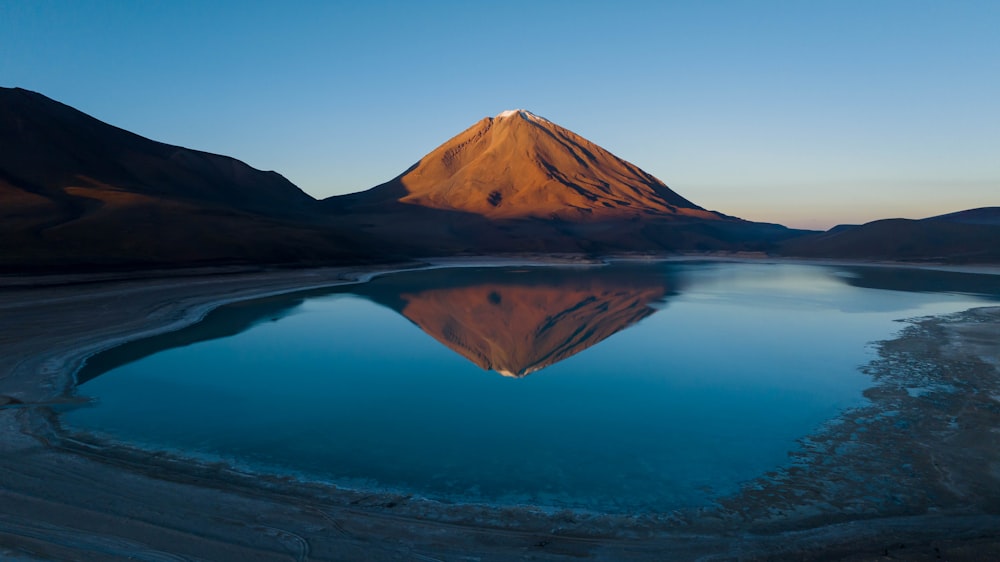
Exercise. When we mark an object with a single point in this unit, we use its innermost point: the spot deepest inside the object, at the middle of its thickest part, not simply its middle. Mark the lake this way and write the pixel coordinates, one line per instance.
(623, 388)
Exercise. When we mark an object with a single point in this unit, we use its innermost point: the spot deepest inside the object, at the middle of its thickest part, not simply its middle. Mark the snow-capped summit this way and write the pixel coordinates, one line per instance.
(522, 113)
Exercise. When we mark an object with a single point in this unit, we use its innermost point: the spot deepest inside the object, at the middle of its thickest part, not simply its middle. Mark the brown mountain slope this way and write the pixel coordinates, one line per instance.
(518, 165)
(79, 193)
(520, 183)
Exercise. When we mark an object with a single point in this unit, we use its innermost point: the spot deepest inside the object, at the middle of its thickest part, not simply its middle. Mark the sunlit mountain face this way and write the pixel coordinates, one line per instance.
(519, 165)
(519, 321)
(517, 182)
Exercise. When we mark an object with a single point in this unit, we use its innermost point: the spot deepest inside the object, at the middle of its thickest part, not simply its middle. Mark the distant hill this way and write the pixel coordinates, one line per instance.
(78, 192)
(982, 215)
(971, 236)
(519, 182)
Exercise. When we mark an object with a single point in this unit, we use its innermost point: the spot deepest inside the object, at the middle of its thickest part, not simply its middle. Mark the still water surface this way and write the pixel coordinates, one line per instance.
(618, 388)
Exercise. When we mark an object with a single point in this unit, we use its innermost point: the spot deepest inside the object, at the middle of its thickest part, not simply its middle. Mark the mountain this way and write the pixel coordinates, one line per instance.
(518, 165)
(519, 182)
(517, 321)
(49, 147)
(970, 236)
(78, 192)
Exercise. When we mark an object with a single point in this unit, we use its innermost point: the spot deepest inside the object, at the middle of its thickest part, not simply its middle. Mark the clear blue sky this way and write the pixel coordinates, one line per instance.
(808, 113)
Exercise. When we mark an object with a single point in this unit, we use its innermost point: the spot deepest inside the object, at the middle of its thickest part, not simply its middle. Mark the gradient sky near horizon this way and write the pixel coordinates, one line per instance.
(806, 113)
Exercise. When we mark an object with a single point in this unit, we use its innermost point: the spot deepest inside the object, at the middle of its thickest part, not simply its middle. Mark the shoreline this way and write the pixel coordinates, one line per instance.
(29, 280)
(50, 481)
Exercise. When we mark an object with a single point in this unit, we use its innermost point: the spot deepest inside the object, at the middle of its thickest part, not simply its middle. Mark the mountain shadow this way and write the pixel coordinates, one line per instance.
(922, 281)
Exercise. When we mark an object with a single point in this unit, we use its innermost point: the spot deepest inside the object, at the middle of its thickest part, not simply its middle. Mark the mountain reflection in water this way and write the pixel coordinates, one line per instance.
(519, 321)
(514, 321)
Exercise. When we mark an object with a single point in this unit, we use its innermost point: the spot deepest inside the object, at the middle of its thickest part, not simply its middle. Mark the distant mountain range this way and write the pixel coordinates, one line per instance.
(971, 236)
(78, 193)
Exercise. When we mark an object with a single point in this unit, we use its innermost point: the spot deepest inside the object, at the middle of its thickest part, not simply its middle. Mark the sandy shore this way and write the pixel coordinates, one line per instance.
(914, 475)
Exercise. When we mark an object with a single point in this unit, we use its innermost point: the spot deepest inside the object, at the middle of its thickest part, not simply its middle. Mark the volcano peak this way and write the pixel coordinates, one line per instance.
(522, 113)
(519, 165)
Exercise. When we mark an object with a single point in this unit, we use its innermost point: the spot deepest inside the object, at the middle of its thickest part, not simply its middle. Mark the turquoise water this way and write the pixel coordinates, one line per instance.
(627, 387)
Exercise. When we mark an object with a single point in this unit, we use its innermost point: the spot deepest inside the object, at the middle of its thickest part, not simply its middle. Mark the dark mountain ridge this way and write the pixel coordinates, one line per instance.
(970, 236)
(48, 146)
(79, 193)
(982, 215)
